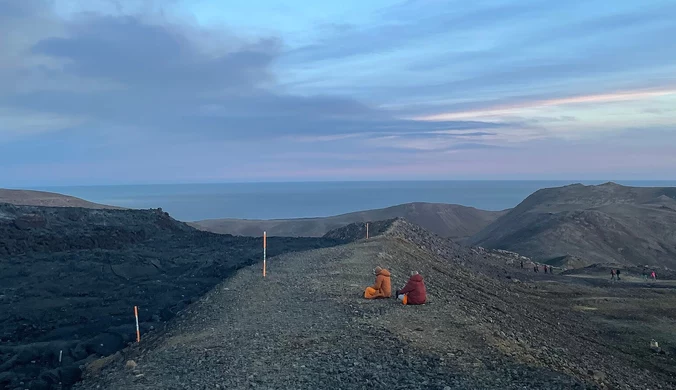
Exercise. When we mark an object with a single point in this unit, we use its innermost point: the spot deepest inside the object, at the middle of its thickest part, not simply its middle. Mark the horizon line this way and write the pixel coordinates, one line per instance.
(571, 181)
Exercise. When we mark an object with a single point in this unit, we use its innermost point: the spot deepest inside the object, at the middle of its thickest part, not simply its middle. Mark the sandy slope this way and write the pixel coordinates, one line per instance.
(51, 199)
(446, 220)
(306, 327)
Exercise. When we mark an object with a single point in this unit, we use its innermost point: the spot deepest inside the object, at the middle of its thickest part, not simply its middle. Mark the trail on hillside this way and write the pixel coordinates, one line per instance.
(306, 326)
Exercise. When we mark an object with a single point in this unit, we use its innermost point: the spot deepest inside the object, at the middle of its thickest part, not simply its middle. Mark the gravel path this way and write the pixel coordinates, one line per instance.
(306, 326)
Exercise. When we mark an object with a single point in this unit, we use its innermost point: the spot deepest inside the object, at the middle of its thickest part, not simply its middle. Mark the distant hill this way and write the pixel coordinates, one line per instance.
(47, 199)
(580, 224)
(446, 220)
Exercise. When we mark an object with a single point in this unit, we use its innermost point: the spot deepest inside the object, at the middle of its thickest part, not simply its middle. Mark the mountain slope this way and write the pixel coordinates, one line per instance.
(49, 199)
(446, 220)
(306, 326)
(598, 224)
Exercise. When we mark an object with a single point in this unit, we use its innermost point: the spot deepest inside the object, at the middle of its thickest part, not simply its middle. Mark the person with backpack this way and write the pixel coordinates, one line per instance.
(612, 274)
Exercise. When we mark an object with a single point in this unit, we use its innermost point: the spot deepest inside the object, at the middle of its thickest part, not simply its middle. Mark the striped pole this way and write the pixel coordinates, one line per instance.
(138, 331)
(265, 247)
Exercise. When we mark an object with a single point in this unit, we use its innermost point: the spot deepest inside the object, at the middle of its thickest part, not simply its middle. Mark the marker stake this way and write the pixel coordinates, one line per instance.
(367, 230)
(265, 246)
(138, 331)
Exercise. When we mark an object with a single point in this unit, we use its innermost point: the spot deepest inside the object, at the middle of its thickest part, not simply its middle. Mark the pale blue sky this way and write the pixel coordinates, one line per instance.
(141, 91)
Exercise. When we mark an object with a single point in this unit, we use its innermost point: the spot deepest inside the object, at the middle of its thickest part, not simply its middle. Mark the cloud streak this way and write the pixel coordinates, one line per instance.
(573, 100)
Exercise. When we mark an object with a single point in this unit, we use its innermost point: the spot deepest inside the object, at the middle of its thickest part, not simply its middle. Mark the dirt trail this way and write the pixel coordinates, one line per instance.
(306, 326)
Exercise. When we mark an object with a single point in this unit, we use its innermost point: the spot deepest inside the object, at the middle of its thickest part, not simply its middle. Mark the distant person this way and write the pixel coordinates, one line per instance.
(414, 293)
(645, 275)
(522, 264)
(612, 274)
(535, 268)
(545, 268)
(618, 274)
(382, 288)
(653, 276)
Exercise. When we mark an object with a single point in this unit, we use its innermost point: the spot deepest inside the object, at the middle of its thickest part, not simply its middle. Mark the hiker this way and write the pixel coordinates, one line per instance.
(414, 293)
(551, 270)
(545, 268)
(618, 274)
(535, 268)
(522, 264)
(645, 275)
(382, 288)
(612, 274)
(653, 276)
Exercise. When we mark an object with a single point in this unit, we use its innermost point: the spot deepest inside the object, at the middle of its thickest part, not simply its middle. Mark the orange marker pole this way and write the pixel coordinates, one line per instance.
(138, 332)
(367, 230)
(265, 247)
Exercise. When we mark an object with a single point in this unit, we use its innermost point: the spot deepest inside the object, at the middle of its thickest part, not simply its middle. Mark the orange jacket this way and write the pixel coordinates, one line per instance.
(383, 286)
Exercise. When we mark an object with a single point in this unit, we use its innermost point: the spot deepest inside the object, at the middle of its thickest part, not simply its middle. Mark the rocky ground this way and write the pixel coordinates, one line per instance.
(306, 326)
(71, 277)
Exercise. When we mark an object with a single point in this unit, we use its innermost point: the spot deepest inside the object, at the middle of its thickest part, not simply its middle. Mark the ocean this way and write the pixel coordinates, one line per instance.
(191, 202)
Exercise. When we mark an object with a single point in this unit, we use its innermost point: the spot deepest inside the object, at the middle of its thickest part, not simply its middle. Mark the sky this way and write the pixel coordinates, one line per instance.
(140, 91)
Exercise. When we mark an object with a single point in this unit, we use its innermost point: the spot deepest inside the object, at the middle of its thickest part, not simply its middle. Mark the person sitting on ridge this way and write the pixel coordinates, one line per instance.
(382, 288)
(414, 293)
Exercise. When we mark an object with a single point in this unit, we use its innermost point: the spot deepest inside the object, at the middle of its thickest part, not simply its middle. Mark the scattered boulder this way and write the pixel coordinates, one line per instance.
(655, 347)
(597, 375)
(105, 344)
(30, 221)
(40, 384)
(70, 375)
(7, 378)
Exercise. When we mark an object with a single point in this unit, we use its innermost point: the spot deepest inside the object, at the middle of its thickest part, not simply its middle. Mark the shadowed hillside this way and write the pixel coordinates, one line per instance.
(607, 223)
(446, 220)
(50, 199)
(71, 277)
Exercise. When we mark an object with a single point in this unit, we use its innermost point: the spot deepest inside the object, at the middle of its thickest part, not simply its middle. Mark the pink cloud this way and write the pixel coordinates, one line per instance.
(509, 109)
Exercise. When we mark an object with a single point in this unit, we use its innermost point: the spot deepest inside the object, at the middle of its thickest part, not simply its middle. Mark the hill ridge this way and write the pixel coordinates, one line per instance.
(449, 220)
(47, 199)
(600, 223)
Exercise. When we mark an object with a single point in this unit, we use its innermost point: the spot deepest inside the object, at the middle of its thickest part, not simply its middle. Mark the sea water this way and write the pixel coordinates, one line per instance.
(191, 202)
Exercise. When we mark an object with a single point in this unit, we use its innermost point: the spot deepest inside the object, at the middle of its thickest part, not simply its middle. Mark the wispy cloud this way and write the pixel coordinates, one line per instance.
(511, 109)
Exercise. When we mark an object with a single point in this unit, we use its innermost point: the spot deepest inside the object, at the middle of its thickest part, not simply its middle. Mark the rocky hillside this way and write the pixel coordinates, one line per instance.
(446, 220)
(607, 223)
(71, 277)
(50, 199)
(475, 332)
(496, 263)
